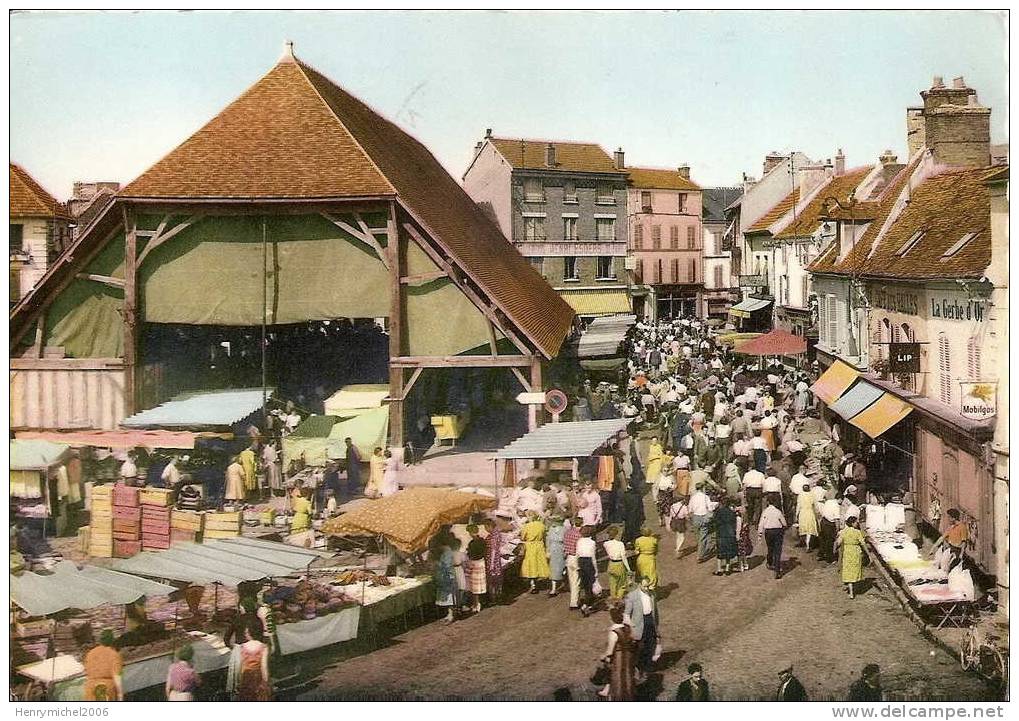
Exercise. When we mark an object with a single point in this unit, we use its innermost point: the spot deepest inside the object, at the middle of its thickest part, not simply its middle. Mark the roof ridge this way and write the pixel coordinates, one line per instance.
(304, 74)
(547, 140)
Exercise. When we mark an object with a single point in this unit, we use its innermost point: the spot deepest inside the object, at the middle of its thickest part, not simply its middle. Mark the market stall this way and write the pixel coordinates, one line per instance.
(40, 487)
(320, 438)
(353, 400)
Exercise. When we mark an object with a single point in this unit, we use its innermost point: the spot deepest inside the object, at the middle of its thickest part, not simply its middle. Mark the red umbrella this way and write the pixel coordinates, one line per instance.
(777, 342)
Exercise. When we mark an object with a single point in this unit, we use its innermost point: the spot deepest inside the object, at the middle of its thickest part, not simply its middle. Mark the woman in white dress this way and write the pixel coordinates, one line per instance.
(389, 482)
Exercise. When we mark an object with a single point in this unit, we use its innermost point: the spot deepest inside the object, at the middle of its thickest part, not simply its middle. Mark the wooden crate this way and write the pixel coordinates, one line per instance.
(127, 513)
(126, 549)
(102, 492)
(217, 533)
(183, 534)
(187, 520)
(125, 495)
(162, 497)
(101, 550)
(224, 517)
(84, 536)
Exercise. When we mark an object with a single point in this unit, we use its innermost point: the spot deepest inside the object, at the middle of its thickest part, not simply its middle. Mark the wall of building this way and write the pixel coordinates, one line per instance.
(59, 394)
(43, 239)
(552, 268)
(487, 181)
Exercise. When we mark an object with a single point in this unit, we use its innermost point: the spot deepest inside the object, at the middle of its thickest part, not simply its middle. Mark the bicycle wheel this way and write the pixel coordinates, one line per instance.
(968, 653)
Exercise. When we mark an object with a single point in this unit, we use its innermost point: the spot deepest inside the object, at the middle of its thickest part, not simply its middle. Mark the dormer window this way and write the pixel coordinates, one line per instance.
(911, 243)
(959, 245)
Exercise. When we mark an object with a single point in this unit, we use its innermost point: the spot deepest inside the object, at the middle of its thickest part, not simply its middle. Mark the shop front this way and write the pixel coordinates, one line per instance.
(677, 301)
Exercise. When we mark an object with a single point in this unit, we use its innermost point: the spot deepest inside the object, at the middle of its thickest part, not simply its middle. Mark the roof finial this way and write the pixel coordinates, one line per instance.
(288, 52)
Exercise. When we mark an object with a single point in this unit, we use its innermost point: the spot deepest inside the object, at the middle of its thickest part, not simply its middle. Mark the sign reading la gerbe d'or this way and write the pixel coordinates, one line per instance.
(943, 307)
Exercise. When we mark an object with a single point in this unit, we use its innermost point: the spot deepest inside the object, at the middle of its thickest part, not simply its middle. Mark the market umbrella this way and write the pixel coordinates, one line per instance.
(777, 342)
(408, 519)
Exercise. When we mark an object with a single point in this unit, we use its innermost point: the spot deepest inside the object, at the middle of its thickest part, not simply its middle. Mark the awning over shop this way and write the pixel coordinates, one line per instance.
(118, 439)
(597, 302)
(320, 438)
(355, 399)
(228, 561)
(410, 518)
(68, 587)
(604, 336)
(745, 307)
(834, 382)
(885, 413)
(36, 455)
(857, 399)
(576, 439)
(203, 408)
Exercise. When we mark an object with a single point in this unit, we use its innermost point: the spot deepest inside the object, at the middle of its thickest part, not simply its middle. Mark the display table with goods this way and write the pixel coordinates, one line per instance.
(945, 597)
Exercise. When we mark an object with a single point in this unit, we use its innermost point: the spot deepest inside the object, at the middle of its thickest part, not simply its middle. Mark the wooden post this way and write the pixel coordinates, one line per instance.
(534, 413)
(130, 311)
(396, 391)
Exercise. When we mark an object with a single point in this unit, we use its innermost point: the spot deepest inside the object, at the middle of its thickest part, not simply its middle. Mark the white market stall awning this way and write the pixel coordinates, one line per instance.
(70, 588)
(604, 336)
(745, 307)
(36, 455)
(354, 400)
(203, 408)
(576, 439)
(228, 561)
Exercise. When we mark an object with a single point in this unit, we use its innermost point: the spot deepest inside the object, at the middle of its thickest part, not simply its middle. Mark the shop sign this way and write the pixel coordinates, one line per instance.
(904, 357)
(979, 400)
(895, 302)
(951, 309)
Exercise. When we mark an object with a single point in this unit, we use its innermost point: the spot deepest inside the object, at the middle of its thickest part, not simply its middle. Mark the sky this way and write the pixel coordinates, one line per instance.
(103, 96)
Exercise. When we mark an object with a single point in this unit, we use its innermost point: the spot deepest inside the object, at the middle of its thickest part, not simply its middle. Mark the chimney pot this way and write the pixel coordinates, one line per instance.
(288, 52)
(550, 155)
(958, 83)
(684, 171)
(620, 159)
(939, 82)
(488, 133)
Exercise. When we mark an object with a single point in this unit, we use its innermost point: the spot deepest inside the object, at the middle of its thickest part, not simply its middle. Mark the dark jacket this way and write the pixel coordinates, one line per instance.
(861, 691)
(792, 691)
(691, 690)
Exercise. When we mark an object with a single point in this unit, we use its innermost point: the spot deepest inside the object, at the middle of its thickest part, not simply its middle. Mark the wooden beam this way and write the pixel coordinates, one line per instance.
(63, 364)
(462, 361)
(130, 309)
(452, 272)
(413, 379)
(522, 378)
(492, 343)
(396, 388)
(40, 329)
(534, 413)
(158, 240)
(423, 277)
(365, 236)
(106, 279)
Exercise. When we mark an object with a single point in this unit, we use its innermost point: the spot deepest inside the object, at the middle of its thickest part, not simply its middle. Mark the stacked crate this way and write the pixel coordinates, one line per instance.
(100, 536)
(127, 521)
(156, 503)
(222, 525)
(186, 525)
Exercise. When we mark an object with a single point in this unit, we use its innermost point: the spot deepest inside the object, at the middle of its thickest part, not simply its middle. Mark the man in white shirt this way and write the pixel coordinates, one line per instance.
(587, 565)
(772, 528)
(716, 363)
(701, 510)
(753, 493)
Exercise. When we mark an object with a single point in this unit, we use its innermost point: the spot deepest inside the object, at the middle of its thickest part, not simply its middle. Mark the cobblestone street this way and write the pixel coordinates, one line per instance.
(743, 629)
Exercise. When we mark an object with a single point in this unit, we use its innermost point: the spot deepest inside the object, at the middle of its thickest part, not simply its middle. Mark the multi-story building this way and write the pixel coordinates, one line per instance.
(913, 322)
(564, 206)
(721, 284)
(39, 231)
(665, 242)
(763, 202)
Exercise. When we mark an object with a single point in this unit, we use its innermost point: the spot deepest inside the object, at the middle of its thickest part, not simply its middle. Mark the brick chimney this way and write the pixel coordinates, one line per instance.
(684, 171)
(888, 158)
(771, 160)
(550, 155)
(810, 176)
(957, 129)
(914, 131)
(619, 159)
(840, 163)
(488, 133)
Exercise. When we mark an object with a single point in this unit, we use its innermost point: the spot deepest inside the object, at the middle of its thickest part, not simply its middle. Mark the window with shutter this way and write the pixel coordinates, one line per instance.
(691, 237)
(640, 270)
(674, 237)
(805, 292)
(945, 368)
(833, 322)
(534, 192)
(675, 270)
(973, 359)
(692, 271)
(656, 237)
(645, 201)
(658, 271)
(638, 236)
(718, 277)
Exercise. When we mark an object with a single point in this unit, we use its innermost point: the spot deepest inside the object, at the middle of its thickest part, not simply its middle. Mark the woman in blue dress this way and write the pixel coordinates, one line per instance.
(554, 542)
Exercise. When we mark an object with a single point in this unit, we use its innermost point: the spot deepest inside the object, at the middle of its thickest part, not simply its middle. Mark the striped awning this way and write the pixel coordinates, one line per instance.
(834, 382)
(597, 302)
(745, 307)
(863, 404)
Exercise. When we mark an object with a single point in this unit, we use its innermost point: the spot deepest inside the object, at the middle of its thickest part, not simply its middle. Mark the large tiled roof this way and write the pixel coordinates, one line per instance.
(777, 211)
(660, 179)
(29, 199)
(579, 157)
(809, 218)
(296, 135)
(944, 208)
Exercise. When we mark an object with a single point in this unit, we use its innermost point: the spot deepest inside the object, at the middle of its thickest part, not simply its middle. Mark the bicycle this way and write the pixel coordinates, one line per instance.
(981, 648)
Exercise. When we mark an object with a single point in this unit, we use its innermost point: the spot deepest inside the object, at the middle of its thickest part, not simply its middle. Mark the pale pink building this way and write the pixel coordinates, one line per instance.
(666, 244)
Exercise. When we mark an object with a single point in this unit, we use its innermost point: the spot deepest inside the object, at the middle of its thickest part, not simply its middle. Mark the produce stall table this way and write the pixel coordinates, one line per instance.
(210, 655)
(383, 603)
(318, 632)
